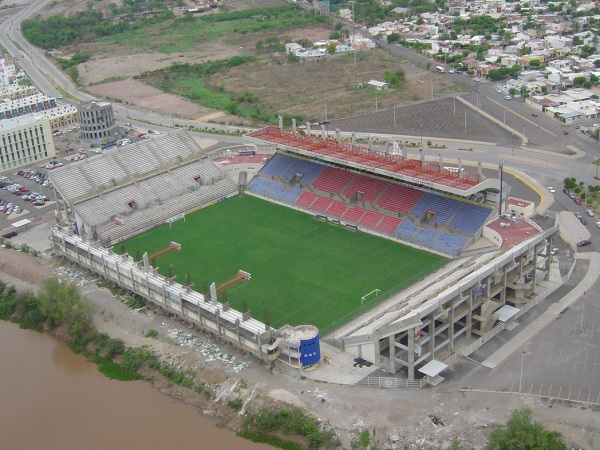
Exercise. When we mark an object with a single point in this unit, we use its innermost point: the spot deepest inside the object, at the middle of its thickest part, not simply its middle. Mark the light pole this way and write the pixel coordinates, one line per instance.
(512, 143)
(582, 310)
(521, 376)
(421, 130)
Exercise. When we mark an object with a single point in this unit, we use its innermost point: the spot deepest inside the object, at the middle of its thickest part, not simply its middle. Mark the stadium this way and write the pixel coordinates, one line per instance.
(294, 241)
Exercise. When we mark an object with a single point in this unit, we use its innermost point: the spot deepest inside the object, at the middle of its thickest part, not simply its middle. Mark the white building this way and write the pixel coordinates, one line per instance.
(25, 140)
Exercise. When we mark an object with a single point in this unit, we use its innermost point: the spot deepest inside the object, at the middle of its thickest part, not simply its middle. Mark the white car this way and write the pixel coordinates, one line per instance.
(555, 251)
(477, 79)
(508, 97)
(598, 224)
(551, 189)
(589, 212)
(451, 71)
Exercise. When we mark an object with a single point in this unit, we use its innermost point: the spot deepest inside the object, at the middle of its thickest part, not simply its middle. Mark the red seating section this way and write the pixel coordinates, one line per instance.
(399, 198)
(332, 180)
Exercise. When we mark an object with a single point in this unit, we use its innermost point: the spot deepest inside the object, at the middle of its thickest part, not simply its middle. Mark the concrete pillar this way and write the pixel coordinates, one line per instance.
(294, 125)
(431, 335)
(338, 135)
(280, 122)
(469, 316)
(441, 161)
(411, 354)
(353, 139)
(308, 128)
(392, 344)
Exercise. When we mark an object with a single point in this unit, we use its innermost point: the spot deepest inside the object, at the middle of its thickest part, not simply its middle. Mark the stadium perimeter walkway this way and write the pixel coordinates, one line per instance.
(592, 275)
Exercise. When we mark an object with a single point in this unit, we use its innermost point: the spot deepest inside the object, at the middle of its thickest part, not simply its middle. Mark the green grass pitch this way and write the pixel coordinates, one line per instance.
(304, 271)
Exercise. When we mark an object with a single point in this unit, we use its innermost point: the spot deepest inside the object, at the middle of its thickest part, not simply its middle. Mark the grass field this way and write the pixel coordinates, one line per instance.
(304, 271)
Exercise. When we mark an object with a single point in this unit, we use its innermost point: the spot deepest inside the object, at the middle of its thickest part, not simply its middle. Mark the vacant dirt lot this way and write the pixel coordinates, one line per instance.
(307, 88)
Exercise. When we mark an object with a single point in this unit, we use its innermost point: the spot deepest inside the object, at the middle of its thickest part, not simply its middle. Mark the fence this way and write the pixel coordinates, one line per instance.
(388, 382)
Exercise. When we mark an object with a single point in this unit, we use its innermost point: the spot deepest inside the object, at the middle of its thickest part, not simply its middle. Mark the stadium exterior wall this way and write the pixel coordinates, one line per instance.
(442, 318)
(219, 319)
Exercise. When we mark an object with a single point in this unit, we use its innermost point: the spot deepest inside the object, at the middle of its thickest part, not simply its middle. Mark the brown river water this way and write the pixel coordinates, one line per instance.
(51, 398)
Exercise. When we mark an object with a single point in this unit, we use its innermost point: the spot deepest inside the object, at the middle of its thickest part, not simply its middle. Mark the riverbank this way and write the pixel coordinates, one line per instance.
(416, 419)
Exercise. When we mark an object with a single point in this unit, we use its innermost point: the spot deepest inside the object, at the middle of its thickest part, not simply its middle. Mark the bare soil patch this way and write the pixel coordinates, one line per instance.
(290, 89)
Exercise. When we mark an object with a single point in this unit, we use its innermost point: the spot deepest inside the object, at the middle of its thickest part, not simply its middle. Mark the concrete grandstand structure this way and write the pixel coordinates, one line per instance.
(120, 193)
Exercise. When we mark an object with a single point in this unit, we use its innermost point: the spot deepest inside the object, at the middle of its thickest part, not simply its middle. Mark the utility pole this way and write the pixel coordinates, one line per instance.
(582, 310)
(521, 376)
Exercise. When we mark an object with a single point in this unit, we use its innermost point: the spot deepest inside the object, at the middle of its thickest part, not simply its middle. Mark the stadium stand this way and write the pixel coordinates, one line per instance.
(406, 230)
(469, 218)
(141, 185)
(370, 187)
(450, 243)
(321, 204)
(337, 209)
(370, 219)
(291, 195)
(306, 199)
(444, 207)
(398, 198)
(388, 225)
(387, 198)
(332, 180)
(425, 236)
(260, 186)
(353, 214)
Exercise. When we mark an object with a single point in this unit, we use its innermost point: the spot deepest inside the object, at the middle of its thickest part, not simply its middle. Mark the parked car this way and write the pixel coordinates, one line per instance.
(577, 200)
(589, 212)
(534, 115)
(507, 97)
(598, 224)
(583, 243)
(477, 79)
(566, 191)
(583, 221)
(555, 251)
(578, 215)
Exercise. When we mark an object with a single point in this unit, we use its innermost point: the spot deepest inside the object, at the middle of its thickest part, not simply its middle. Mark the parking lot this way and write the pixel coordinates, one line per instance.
(25, 194)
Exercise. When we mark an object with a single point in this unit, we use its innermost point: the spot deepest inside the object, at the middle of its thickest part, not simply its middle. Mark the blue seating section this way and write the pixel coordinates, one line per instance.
(470, 218)
(405, 230)
(309, 170)
(450, 243)
(443, 206)
(277, 191)
(291, 195)
(426, 236)
(260, 186)
(286, 167)
(277, 165)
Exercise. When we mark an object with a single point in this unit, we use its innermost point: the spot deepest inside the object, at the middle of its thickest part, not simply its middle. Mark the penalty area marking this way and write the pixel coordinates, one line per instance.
(364, 297)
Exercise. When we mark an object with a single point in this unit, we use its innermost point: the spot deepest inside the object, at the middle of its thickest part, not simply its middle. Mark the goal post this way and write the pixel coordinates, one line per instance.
(366, 296)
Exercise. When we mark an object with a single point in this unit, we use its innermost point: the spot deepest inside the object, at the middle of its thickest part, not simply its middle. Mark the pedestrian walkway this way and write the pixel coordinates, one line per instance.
(549, 315)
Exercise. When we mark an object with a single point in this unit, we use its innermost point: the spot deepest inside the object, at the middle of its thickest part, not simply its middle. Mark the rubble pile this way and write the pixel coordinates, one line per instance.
(75, 276)
(209, 351)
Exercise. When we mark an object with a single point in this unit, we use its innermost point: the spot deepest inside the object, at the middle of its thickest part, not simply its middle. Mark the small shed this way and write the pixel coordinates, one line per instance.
(379, 85)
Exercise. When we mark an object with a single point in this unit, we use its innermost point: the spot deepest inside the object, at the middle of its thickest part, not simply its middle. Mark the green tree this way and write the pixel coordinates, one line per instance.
(331, 48)
(393, 38)
(62, 303)
(520, 433)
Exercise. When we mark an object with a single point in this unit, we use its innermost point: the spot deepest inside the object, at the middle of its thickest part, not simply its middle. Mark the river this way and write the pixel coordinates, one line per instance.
(51, 398)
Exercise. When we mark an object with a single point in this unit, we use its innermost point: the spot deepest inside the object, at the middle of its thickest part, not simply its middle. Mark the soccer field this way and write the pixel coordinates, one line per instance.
(304, 271)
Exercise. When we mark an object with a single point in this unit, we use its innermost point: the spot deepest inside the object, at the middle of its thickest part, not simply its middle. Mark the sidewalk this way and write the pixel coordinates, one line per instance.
(548, 316)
